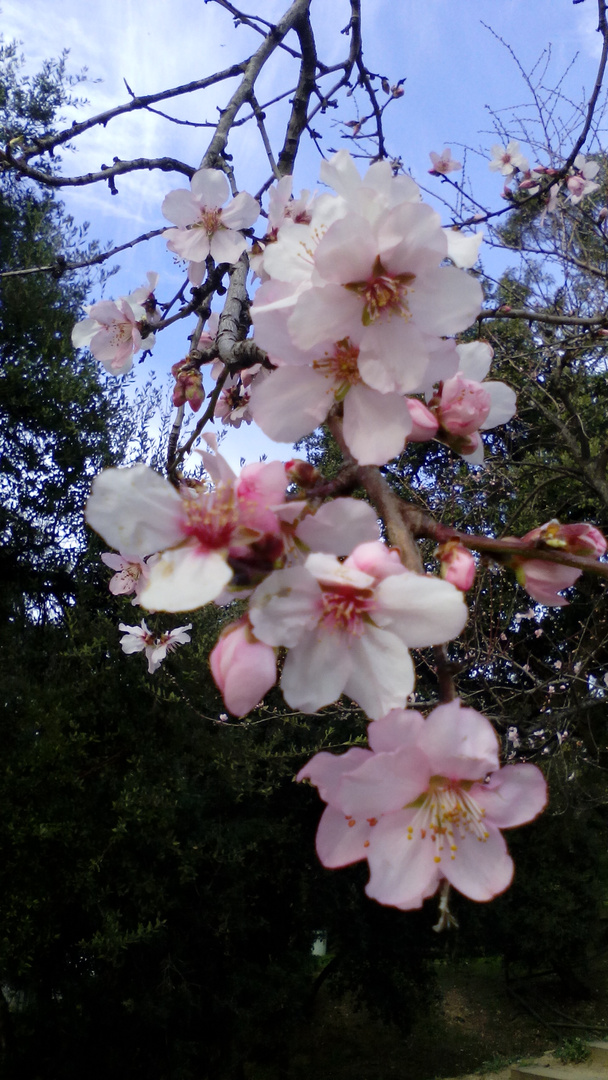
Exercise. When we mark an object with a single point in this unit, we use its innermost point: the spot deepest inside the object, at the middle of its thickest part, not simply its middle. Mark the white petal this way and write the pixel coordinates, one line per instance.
(445, 301)
(135, 510)
(463, 248)
(285, 606)
(316, 670)
(504, 404)
(474, 359)
(291, 403)
(421, 609)
(227, 246)
(210, 188)
(185, 578)
(382, 675)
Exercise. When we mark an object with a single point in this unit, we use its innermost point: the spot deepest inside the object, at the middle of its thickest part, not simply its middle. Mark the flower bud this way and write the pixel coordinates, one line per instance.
(457, 564)
(243, 668)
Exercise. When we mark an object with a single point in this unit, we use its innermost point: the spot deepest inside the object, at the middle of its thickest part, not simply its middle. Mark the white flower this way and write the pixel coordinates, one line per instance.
(140, 639)
(508, 161)
(204, 226)
(348, 626)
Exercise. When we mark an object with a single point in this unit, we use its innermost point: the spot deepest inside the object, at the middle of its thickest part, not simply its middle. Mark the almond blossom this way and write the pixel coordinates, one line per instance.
(131, 573)
(424, 804)
(348, 626)
(205, 226)
(114, 333)
(464, 405)
(582, 182)
(508, 161)
(205, 536)
(156, 647)
(544, 581)
(443, 163)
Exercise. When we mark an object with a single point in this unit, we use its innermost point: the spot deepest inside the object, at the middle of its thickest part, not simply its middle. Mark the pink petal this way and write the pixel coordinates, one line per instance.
(375, 425)
(516, 794)
(341, 842)
(339, 526)
(180, 207)
(402, 870)
(327, 314)
(383, 783)
(326, 770)
(400, 727)
(460, 743)
(291, 403)
(480, 869)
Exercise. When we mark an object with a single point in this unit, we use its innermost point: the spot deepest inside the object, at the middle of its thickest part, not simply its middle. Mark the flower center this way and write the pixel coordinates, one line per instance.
(383, 293)
(446, 813)
(345, 609)
(341, 367)
(211, 516)
(210, 221)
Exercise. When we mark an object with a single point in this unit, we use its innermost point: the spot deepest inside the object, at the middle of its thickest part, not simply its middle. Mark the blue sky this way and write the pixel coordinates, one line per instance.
(455, 68)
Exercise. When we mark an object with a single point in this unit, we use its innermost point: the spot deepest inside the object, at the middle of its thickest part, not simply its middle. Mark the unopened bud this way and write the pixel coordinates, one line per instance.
(302, 473)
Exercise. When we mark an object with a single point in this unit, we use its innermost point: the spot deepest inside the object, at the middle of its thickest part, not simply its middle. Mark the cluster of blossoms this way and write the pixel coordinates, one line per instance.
(115, 331)
(356, 309)
(579, 181)
(361, 295)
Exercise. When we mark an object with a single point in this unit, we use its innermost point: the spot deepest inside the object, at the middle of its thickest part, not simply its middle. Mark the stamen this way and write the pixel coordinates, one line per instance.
(383, 293)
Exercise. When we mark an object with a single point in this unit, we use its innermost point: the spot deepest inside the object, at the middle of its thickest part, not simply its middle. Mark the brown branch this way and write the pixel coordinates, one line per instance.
(580, 142)
(107, 173)
(250, 71)
(50, 142)
(299, 109)
(530, 315)
(62, 266)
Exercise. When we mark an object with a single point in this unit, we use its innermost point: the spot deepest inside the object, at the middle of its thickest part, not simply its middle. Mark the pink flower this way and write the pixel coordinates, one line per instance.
(243, 668)
(457, 564)
(131, 574)
(205, 536)
(204, 228)
(443, 163)
(582, 182)
(544, 581)
(508, 161)
(348, 626)
(140, 639)
(464, 404)
(425, 803)
(112, 332)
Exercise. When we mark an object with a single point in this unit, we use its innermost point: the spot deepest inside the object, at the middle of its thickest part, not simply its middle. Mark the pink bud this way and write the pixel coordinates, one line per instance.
(424, 422)
(463, 405)
(243, 668)
(457, 564)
